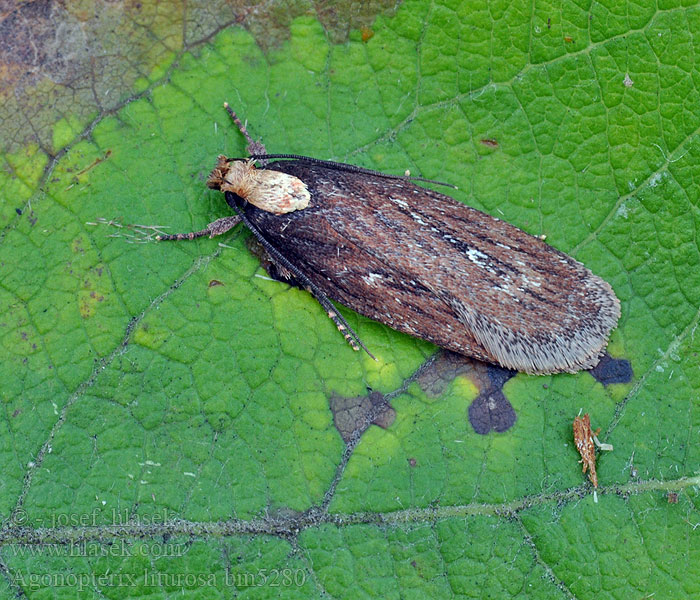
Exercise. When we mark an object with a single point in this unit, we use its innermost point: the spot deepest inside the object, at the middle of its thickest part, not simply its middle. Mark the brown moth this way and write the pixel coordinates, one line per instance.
(418, 261)
(584, 440)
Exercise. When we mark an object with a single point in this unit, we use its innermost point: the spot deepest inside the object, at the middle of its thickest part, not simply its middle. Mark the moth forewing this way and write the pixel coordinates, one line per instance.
(427, 265)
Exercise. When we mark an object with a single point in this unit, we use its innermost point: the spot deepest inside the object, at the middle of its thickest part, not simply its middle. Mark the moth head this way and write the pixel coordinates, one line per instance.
(268, 190)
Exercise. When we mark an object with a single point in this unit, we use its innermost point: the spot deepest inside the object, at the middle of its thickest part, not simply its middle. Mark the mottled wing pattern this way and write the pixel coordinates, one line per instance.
(427, 265)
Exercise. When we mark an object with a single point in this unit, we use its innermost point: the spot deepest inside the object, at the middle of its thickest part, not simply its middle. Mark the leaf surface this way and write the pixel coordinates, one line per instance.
(166, 425)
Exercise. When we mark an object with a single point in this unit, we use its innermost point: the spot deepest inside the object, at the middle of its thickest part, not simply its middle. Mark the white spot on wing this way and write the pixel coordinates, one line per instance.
(372, 278)
(476, 256)
(418, 220)
(401, 203)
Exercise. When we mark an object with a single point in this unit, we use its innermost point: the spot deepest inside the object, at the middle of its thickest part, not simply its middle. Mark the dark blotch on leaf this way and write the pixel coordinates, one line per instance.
(612, 370)
(490, 409)
(352, 416)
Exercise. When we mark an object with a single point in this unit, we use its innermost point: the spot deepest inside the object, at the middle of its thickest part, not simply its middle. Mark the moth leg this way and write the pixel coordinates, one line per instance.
(275, 271)
(214, 228)
(340, 324)
(283, 263)
(133, 233)
(253, 147)
(280, 273)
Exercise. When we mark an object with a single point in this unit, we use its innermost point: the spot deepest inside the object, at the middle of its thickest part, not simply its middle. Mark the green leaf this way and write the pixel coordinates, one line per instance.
(166, 425)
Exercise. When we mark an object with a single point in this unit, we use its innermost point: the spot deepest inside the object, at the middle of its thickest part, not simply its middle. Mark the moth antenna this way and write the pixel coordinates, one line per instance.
(238, 123)
(343, 326)
(253, 147)
(351, 168)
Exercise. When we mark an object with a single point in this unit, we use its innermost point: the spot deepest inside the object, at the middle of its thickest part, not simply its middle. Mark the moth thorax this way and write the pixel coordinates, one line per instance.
(268, 190)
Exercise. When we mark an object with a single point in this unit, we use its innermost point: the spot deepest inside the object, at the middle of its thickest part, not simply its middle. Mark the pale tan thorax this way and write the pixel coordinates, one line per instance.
(268, 190)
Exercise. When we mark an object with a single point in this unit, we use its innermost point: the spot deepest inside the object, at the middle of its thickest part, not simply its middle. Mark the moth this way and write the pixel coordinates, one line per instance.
(416, 260)
(586, 440)
(583, 439)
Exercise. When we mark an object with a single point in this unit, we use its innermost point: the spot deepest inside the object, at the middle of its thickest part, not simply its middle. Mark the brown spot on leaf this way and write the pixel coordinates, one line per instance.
(490, 143)
(367, 34)
(419, 569)
(412, 462)
(94, 163)
(77, 246)
(214, 283)
(672, 498)
(352, 416)
(490, 409)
